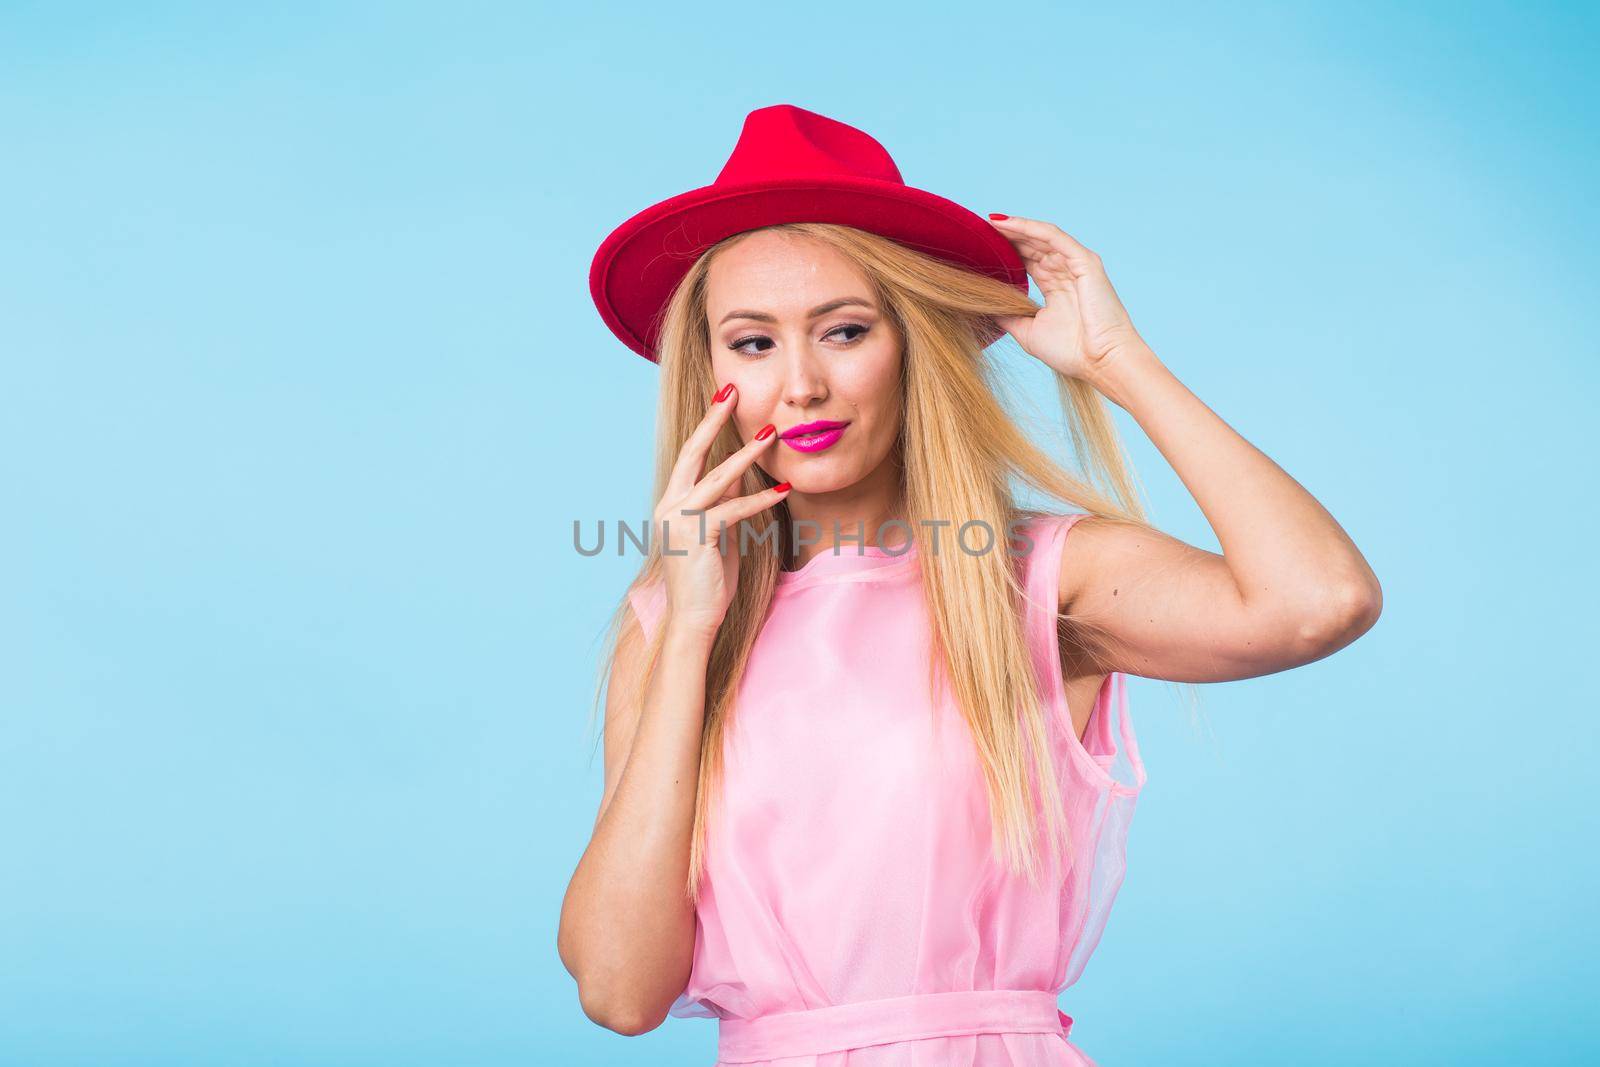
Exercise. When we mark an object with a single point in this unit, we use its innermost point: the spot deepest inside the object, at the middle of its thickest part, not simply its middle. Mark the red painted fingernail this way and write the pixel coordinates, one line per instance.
(765, 432)
(782, 487)
(997, 215)
(722, 394)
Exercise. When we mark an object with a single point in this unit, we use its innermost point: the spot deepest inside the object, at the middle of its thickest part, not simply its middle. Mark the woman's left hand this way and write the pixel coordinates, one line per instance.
(1083, 326)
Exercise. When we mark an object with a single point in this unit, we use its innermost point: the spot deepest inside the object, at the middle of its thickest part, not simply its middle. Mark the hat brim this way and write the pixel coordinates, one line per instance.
(640, 262)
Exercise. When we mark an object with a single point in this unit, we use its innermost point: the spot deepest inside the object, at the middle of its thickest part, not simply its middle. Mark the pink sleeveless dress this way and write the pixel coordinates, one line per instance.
(852, 911)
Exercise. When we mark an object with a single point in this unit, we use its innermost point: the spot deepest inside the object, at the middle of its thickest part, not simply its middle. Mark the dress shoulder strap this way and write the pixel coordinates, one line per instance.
(1041, 580)
(1109, 750)
(649, 603)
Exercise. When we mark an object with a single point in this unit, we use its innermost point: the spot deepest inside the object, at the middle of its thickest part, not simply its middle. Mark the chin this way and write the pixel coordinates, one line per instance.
(816, 482)
(819, 473)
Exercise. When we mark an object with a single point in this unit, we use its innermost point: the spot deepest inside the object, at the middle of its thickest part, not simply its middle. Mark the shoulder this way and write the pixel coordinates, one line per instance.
(1052, 564)
(1037, 537)
(648, 598)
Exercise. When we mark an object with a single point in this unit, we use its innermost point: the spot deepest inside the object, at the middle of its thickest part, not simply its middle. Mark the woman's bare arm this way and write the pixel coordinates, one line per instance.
(627, 924)
(1289, 586)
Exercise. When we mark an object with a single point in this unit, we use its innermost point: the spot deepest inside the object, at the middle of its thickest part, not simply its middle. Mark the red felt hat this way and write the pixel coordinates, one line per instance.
(790, 165)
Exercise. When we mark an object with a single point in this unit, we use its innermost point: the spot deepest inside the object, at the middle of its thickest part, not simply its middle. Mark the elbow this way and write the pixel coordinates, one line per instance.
(1344, 615)
(614, 1001)
(618, 1014)
(599, 1003)
(623, 999)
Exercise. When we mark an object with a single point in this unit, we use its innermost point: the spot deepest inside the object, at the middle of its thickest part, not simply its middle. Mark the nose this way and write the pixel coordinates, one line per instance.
(805, 380)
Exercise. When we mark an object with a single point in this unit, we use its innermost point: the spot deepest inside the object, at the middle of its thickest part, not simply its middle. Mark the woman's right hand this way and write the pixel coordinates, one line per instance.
(701, 573)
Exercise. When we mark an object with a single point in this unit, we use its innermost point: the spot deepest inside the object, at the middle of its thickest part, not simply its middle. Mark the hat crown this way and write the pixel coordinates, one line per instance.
(785, 141)
(789, 165)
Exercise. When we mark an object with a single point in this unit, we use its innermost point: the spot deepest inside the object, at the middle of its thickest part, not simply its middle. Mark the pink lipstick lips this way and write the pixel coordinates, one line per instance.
(813, 436)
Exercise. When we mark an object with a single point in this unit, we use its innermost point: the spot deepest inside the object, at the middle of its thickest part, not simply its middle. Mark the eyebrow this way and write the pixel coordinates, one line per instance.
(820, 309)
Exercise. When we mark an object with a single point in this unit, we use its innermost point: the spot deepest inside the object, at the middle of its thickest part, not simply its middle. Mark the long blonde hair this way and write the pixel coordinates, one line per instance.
(948, 380)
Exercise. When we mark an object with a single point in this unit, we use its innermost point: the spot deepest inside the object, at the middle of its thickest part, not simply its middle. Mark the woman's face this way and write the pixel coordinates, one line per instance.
(793, 368)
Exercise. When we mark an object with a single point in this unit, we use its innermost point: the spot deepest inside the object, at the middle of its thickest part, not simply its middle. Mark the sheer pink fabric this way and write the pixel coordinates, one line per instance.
(853, 912)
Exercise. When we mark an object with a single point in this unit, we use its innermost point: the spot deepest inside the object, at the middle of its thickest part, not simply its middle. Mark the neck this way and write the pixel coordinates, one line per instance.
(852, 515)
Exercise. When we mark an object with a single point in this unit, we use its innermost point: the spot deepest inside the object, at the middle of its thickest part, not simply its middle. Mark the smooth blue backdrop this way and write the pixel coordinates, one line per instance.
(303, 390)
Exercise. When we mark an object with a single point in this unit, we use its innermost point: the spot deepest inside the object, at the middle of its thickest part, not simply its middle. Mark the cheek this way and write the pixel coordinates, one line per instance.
(724, 369)
(756, 398)
(876, 389)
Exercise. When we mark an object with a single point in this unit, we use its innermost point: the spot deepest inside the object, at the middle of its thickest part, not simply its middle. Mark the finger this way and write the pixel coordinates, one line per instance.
(1057, 295)
(1047, 233)
(692, 456)
(742, 507)
(1026, 245)
(1017, 231)
(1048, 267)
(1051, 237)
(722, 478)
(1047, 264)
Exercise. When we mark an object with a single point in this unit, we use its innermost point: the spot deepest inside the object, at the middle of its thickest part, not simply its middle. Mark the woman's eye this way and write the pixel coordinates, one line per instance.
(739, 345)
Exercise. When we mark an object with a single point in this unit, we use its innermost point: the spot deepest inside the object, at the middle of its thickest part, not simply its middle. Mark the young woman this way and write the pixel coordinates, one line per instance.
(869, 767)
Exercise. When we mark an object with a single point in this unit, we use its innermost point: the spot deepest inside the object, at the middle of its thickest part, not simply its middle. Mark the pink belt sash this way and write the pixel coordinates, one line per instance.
(875, 1022)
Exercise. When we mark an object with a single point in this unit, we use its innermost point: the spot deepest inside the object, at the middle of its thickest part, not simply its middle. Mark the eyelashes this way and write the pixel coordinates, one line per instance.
(741, 342)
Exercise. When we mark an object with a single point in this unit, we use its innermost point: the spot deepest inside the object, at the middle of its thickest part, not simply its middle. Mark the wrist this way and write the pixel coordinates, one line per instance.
(685, 636)
(1119, 373)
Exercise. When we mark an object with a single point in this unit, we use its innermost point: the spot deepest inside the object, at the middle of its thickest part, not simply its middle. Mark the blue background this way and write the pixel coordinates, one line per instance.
(303, 390)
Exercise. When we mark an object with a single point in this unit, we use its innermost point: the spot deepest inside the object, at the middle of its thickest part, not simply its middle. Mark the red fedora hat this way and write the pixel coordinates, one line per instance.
(790, 165)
